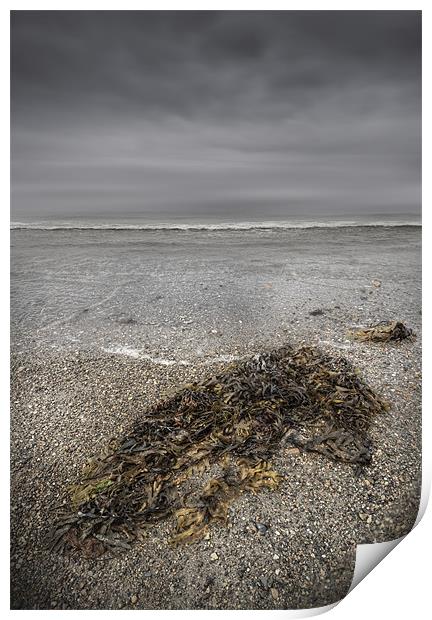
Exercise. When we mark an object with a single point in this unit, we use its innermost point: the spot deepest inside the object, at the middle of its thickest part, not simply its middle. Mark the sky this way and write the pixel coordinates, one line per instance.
(246, 115)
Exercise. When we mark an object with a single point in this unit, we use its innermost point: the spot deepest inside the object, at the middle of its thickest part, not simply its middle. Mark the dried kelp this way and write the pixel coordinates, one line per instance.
(383, 332)
(234, 421)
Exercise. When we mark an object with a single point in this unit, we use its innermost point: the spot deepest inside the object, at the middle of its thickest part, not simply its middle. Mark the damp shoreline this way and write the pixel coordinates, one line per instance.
(79, 382)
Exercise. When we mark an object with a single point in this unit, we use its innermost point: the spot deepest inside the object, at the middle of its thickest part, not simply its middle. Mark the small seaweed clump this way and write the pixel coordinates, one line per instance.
(232, 422)
(383, 332)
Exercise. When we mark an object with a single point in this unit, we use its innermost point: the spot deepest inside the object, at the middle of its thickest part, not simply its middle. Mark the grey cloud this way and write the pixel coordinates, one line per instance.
(181, 61)
(207, 112)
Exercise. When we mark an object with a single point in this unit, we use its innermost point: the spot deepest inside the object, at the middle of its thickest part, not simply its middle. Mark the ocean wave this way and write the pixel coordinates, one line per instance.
(223, 226)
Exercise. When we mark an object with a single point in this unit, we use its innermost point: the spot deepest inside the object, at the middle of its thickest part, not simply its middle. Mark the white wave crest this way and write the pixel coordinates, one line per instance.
(221, 226)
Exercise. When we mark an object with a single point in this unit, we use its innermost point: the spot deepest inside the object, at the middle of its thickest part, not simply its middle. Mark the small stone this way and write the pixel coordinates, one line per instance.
(214, 556)
(277, 571)
(134, 599)
(274, 593)
(275, 557)
(262, 528)
(207, 536)
(316, 312)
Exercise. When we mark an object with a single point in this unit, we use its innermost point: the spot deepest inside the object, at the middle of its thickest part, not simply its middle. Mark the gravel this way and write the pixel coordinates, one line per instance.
(293, 548)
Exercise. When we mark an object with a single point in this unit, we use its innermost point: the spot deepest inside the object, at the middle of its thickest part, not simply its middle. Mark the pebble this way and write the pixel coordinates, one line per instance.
(262, 528)
(274, 593)
(294, 542)
(134, 599)
(316, 312)
(214, 556)
(264, 581)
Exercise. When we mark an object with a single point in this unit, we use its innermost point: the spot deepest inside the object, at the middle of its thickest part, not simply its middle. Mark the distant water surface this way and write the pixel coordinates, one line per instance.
(168, 294)
(181, 223)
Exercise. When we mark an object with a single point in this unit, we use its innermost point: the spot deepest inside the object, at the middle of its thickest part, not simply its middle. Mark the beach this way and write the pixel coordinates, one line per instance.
(106, 322)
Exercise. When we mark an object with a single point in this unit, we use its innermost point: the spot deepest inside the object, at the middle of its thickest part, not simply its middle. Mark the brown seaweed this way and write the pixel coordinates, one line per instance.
(383, 332)
(234, 421)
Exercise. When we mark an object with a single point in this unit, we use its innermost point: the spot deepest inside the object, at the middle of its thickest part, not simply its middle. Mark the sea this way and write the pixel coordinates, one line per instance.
(171, 291)
(153, 222)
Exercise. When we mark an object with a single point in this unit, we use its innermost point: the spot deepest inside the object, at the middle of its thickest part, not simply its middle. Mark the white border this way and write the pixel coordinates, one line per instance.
(399, 586)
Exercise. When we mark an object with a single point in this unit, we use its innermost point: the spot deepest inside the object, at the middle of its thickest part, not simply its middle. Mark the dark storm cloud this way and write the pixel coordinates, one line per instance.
(200, 112)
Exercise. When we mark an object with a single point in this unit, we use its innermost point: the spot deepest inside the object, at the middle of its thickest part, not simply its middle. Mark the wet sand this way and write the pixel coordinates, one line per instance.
(103, 323)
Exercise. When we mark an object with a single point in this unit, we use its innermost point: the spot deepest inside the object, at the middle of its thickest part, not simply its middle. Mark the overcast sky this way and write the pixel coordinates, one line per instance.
(254, 114)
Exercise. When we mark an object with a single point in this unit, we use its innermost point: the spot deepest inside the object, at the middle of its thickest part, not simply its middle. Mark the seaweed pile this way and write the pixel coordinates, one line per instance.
(383, 332)
(233, 423)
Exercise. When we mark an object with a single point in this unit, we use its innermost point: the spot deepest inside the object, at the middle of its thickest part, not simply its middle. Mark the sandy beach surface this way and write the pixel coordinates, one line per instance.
(105, 322)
